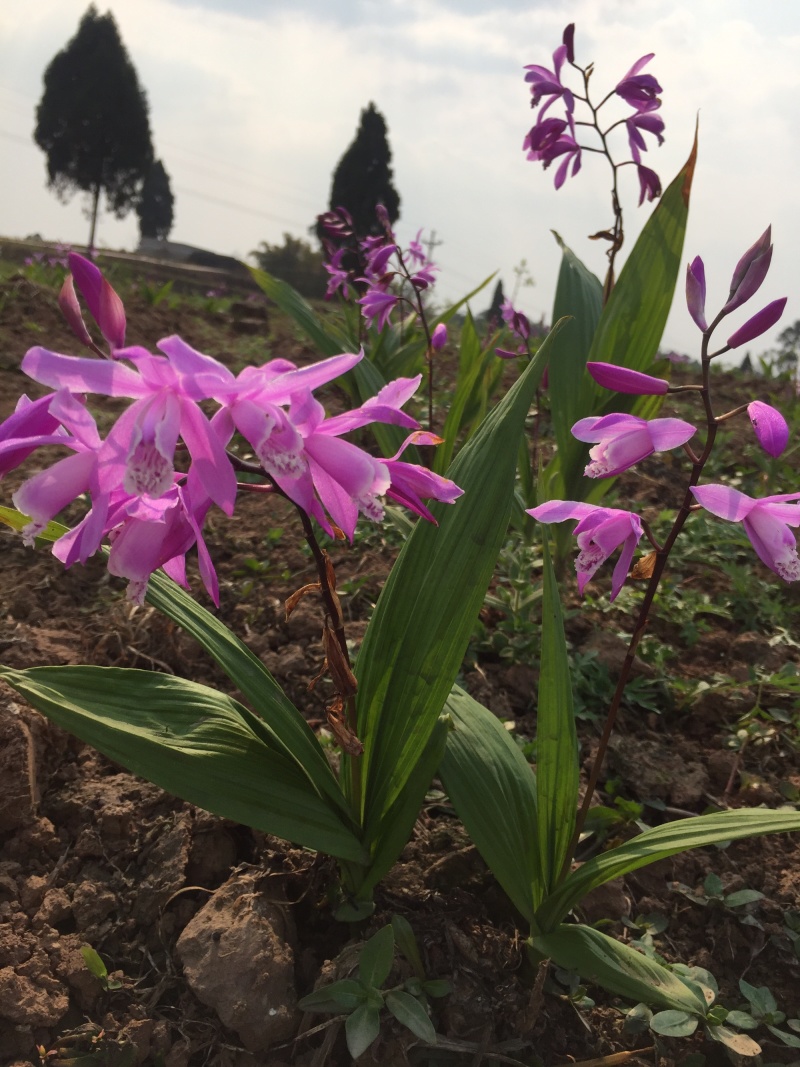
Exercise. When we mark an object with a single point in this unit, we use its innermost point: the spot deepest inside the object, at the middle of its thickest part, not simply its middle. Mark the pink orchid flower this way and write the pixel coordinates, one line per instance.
(766, 522)
(623, 440)
(599, 532)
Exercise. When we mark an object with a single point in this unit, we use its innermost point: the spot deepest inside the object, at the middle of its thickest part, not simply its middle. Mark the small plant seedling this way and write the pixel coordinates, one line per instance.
(96, 966)
(362, 999)
(712, 895)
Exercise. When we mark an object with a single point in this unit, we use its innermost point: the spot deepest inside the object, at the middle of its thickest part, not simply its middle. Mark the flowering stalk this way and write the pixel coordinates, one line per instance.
(554, 138)
(622, 441)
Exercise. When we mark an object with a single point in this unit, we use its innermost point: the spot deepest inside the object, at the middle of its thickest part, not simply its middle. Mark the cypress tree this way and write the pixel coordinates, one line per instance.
(363, 177)
(155, 204)
(92, 120)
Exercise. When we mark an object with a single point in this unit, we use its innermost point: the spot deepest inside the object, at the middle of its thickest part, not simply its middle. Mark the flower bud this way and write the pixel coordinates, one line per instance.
(70, 309)
(750, 272)
(439, 337)
(696, 292)
(625, 380)
(762, 321)
(771, 429)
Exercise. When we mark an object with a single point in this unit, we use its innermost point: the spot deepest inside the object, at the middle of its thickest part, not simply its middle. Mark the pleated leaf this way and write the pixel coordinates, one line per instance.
(493, 789)
(193, 742)
(618, 968)
(557, 771)
(415, 642)
(658, 844)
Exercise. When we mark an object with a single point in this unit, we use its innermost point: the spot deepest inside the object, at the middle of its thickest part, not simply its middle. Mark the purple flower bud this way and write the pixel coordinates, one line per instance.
(758, 324)
(751, 270)
(104, 304)
(568, 40)
(70, 309)
(696, 292)
(439, 337)
(649, 184)
(771, 429)
(624, 380)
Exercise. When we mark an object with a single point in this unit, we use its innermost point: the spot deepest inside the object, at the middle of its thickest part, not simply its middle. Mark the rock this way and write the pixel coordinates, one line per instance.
(29, 1002)
(237, 959)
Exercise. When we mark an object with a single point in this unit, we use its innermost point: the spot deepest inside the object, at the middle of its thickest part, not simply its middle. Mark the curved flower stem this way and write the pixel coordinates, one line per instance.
(661, 557)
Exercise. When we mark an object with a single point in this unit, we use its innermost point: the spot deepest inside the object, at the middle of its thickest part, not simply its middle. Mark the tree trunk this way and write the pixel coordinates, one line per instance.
(95, 202)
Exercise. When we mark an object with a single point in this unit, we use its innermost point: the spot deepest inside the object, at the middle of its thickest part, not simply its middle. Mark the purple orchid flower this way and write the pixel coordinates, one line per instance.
(339, 275)
(766, 522)
(625, 380)
(599, 532)
(139, 450)
(623, 440)
(649, 184)
(548, 141)
(770, 427)
(377, 306)
(544, 82)
(639, 90)
(411, 483)
(31, 425)
(647, 121)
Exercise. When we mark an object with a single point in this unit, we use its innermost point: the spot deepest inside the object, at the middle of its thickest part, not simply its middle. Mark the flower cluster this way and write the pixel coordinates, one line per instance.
(375, 267)
(622, 440)
(150, 512)
(555, 137)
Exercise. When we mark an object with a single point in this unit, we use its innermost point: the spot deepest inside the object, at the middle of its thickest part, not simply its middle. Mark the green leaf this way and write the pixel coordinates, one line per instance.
(672, 1023)
(377, 957)
(93, 962)
(345, 995)
(407, 944)
(192, 741)
(415, 642)
(741, 1019)
(325, 337)
(742, 896)
(760, 998)
(787, 1039)
(408, 1011)
(618, 968)
(637, 1021)
(437, 987)
(493, 789)
(557, 771)
(579, 295)
(659, 843)
(361, 1029)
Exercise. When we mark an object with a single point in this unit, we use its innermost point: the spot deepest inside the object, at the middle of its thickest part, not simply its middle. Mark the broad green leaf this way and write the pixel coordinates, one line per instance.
(618, 968)
(376, 958)
(470, 365)
(788, 1039)
(361, 1029)
(279, 717)
(658, 844)
(93, 962)
(673, 1023)
(493, 790)
(415, 642)
(579, 295)
(397, 824)
(345, 995)
(408, 1011)
(557, 772)
(761, 1000)
(194, 742)
(742, 896)
(327, 338)
(742, 1019)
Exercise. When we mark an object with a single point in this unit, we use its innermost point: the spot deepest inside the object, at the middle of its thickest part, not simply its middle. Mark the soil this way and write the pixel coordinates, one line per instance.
(91, 855)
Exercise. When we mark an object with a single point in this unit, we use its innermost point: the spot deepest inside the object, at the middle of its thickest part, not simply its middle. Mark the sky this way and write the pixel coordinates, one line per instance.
(253, 103)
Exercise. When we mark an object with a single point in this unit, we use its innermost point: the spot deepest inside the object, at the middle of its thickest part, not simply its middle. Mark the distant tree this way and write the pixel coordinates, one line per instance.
(746, 366)
(155, 203)
(493, 315)
(363, 177)
(788, 352)
(92, 120)
(295, 262)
